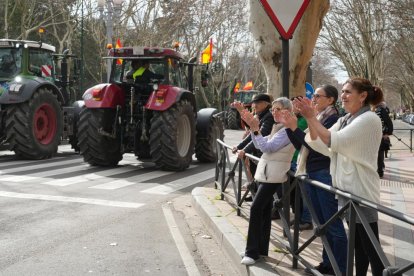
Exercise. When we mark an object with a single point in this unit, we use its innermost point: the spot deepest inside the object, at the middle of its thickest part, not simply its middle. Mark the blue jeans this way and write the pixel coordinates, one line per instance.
(305, 216)
(326, 206)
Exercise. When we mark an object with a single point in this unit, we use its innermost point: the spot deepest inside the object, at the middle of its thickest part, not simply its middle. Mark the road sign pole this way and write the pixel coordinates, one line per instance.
(285, 67)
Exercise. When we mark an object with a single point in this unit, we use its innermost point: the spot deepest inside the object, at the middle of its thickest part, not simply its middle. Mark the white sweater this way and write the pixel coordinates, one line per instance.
(353, 153)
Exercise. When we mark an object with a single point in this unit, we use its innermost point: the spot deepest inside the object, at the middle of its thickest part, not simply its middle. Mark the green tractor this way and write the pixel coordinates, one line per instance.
(232, 116)
(38, 107)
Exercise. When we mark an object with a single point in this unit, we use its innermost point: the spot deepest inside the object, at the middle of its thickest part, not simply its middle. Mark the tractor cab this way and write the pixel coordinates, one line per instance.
(10, 62)
(163, 66)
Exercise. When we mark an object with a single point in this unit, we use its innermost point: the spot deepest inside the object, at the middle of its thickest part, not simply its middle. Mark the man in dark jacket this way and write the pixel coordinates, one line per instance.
(261, 104)
(387, 129)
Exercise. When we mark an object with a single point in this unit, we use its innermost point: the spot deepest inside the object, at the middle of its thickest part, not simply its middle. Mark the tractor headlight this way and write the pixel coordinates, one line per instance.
(155, 87)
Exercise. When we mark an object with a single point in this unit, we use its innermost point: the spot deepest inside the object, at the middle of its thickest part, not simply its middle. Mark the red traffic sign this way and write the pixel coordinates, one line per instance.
(285, 14)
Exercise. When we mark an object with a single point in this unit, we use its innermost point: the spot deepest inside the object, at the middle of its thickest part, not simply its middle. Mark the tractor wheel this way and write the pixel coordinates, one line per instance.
(96, 145)
(172, 137)
(34, 128)
(206, 149)
(233, 121)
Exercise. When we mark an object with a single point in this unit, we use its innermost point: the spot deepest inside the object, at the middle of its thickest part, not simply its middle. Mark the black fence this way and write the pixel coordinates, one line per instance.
(401, 139)
(228, 173)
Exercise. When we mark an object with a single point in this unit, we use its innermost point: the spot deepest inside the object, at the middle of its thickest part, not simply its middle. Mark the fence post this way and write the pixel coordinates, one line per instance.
(223, 175)
(239, 185)
(351, 241)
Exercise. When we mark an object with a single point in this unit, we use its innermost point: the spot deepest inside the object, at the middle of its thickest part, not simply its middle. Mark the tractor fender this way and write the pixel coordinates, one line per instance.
(204, 120)
(105, 95)
(28, 86)
(77, 106)
(166, 96)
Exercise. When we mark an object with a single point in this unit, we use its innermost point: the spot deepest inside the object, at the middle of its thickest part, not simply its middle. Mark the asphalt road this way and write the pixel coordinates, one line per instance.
(63, 217)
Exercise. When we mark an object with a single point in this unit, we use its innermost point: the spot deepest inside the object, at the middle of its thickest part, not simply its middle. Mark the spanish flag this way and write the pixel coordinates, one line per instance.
(248, 85)
(207, 53)
(237, 87)
(118, 45)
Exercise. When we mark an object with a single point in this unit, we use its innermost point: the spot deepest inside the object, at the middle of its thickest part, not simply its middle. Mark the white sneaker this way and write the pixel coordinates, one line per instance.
(247, 261)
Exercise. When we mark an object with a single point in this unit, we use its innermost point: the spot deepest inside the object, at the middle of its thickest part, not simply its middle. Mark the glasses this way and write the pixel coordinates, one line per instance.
(317, 96)
(277, 109)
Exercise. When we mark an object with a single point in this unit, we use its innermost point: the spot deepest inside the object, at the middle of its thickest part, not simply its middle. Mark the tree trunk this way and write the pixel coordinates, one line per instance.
(269, 46)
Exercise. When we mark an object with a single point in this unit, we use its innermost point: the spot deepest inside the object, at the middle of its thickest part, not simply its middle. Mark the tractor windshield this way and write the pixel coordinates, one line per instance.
(128, 70)
(10, 62)
(245, 97)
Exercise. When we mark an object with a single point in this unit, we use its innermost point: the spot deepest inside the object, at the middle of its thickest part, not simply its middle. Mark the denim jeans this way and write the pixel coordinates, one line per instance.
(325, 206)
(305, 216)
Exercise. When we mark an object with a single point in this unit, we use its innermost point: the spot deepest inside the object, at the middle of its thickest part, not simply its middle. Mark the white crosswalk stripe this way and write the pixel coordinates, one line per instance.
(82, 200)
(181, 183)
(89, 177)
(45, 174)
(22, 162)
(103, 179)
(121, 183)
(38, 166)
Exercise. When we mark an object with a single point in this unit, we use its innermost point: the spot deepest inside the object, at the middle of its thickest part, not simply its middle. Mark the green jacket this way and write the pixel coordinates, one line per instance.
(302, 124)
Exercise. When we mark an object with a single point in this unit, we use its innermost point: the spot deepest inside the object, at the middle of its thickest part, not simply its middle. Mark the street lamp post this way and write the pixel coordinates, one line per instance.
(113, 10)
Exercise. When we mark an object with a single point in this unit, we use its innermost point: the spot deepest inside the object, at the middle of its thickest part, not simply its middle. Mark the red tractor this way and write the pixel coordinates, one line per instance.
(156, 120)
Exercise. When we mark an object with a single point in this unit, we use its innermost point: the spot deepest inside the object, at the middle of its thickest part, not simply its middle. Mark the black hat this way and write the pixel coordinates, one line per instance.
(261, 97)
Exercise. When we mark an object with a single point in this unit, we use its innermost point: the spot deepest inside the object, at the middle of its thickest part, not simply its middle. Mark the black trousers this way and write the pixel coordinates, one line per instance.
(365, 253)
(260, 222)
(380, 162)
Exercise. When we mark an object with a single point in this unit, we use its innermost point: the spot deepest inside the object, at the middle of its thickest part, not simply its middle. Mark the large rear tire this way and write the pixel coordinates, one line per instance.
(172, 137)
(206, 148)
(96, 145)
(233, 119)
(34, 128)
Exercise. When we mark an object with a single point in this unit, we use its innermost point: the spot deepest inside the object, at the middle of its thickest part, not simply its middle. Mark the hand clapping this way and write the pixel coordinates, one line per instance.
(304, 106)
(250, 120)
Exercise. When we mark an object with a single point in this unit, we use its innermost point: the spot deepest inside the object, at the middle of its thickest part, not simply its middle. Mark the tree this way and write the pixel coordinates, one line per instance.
(268, 45)
(322, 69)
(361, 45)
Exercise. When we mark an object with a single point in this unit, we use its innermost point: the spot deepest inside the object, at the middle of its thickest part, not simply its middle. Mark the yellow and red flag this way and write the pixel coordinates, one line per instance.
(248, 85)
(237, 87)
(207, 53)
(118, 45)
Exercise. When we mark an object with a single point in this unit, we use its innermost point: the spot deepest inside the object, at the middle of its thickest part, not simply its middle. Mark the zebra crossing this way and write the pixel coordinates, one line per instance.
(71, 171)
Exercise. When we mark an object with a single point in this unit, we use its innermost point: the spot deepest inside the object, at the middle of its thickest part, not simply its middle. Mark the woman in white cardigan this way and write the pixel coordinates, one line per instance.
(352, 144)
(270, 173)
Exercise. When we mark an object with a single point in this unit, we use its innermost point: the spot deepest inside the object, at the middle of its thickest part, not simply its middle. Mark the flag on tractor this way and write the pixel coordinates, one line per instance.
(248, 85)
(237, 87)
(118, 45)
(207, 53)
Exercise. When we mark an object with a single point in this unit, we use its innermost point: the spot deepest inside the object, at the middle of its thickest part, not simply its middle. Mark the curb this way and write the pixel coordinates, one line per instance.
(227, 235)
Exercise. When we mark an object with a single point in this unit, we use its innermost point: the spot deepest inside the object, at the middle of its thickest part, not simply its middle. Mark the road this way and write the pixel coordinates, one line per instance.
(63, 217)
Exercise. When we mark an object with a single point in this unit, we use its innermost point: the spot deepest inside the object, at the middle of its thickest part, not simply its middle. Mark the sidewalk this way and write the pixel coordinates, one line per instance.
(230, 231)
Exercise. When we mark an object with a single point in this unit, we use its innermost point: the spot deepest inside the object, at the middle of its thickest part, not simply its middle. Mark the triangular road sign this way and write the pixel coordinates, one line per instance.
(285, 14)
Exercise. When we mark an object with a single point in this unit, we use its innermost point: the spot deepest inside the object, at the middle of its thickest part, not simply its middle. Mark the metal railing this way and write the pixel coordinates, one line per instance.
(400, 139)
(227, 172)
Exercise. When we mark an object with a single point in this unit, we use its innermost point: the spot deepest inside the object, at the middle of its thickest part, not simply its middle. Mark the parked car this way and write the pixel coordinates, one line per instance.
(409, 119)
(412, 119)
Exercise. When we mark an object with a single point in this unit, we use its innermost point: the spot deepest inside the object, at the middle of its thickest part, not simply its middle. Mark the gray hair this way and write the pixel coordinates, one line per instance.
(284, 102)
